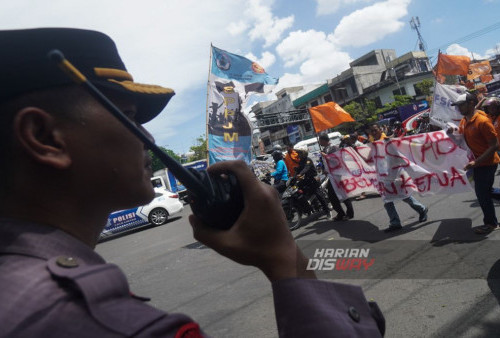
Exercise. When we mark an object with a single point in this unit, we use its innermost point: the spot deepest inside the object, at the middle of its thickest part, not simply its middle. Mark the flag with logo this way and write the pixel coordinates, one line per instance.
(478, 69)
(232, 80)
(328, 115)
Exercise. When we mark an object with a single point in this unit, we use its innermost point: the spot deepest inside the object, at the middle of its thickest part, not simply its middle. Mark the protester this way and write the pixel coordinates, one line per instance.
(481, 138)
(291, 159)
(79, 164)
(281, 173)
(328, 148)
(394, 220)
(491, 106)
(375, 133)
(350, 140)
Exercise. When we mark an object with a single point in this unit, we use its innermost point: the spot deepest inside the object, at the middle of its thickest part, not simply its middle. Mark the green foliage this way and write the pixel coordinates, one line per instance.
(363, 113)
(157, 164)
(425, 86)
(360, 111)
(200, 149)
(399, 100)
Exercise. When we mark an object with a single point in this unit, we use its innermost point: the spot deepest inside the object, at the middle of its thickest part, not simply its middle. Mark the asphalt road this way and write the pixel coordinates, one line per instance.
(229, 300)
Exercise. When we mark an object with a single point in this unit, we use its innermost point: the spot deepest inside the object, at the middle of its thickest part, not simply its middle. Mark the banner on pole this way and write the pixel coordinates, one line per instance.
(442, 112)
(426, 164)
(232, 80)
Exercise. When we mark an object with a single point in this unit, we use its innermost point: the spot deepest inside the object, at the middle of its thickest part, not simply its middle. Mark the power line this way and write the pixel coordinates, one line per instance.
(466, 38)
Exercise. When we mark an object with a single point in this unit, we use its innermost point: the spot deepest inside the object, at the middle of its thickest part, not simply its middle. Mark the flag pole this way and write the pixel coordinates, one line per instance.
(208, 88)
(314, 127)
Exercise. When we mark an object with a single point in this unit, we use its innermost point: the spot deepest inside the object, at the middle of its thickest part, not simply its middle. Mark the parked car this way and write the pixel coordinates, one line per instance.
(157, 212)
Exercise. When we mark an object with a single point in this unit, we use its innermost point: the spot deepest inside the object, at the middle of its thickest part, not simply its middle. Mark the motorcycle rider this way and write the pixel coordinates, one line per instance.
(305, 175)
(281, 174)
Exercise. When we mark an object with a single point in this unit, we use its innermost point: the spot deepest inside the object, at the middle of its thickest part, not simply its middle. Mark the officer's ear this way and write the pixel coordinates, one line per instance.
(41, 138)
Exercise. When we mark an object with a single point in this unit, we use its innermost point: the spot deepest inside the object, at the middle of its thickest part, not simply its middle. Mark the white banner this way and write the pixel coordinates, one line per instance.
(427, 164)
(442, 111)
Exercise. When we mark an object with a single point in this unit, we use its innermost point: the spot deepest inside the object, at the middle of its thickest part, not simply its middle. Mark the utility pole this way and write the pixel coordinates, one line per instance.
(415, 25)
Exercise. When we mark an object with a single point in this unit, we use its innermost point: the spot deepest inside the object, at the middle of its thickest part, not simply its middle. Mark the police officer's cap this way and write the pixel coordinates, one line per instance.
(25, 67)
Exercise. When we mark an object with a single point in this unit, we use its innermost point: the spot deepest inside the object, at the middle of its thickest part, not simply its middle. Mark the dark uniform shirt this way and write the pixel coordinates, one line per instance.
(53, 285)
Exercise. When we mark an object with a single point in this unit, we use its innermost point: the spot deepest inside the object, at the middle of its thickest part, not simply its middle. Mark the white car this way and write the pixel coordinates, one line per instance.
(164, 204)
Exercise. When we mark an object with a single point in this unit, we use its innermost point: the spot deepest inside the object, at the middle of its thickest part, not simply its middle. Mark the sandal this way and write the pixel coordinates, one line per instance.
(486, 229)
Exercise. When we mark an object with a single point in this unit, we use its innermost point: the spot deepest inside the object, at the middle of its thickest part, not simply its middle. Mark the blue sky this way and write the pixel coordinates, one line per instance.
(308, 41)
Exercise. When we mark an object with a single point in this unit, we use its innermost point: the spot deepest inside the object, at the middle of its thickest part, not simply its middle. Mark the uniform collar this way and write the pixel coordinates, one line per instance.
(42, 241)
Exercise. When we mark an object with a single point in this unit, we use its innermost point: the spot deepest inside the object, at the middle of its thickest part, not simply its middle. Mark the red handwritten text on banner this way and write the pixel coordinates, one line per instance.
(427, 163)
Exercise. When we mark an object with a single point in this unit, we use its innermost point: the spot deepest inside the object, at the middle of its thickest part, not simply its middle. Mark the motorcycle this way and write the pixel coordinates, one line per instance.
(293, 216)
(298, 200)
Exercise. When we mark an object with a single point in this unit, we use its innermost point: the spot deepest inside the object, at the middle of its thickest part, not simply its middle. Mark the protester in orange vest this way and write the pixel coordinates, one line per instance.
(481, 137)
(292, 160)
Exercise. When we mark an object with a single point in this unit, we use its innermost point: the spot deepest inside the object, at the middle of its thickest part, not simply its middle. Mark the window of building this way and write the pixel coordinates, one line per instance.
(314, 103)
(398, 92)
(418, 92)
(378, 102)
(307, 126)
(423, 66)
(327, 98)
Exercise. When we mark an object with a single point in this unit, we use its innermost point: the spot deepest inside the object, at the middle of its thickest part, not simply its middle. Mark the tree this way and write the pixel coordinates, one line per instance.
(425, 86)
(200, 149)
(157, 164)
(362, 113)
(399, 100)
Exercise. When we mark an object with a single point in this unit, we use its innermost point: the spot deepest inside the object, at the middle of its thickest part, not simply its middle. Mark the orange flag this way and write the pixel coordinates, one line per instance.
(328, 115)
(486, 78)
(477, 69)
(452, 65)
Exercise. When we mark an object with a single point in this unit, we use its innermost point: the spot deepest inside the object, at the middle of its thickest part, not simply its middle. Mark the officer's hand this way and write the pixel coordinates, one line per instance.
(260, 237)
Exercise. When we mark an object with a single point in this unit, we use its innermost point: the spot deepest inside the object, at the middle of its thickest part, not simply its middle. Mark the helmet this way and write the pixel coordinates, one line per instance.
(277, 155)
(302, 148)
(491, 101)
(277, 147)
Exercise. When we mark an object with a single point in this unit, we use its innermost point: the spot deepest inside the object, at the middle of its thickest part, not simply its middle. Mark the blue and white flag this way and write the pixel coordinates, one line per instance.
(232, 80)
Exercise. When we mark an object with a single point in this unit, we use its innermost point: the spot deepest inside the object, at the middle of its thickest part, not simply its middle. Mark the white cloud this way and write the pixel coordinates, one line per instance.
(264, 24)
(370, 24)
(456, 49)
(265, 61)
(317, 54)
(236, 28)
(493, 51)
(163, 42)
(325, 7)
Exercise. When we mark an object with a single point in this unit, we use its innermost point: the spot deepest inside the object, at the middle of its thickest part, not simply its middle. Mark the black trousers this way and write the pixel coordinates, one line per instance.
(334, 200)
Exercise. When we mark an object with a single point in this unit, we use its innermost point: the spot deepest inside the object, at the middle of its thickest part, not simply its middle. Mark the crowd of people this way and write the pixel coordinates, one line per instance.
(481, 130)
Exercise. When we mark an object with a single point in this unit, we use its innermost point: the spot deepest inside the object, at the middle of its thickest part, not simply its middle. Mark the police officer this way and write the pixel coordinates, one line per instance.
(78, 164)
